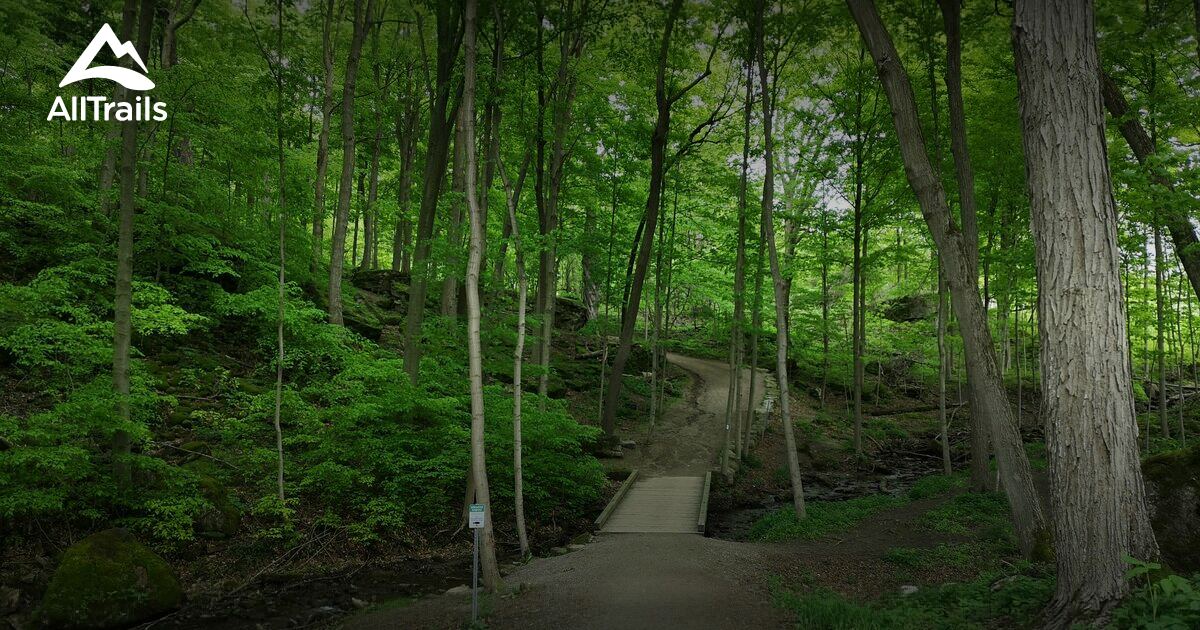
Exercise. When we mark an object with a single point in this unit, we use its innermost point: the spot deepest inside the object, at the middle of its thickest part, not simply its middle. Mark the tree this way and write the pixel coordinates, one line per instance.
(512, 195)
(768, 234)
(644, 246)
(491, 572)
(327, 46)
(965, 175)
(986, 391)
(123, 302)
(442, 114)
(337, 258)
(1097, 498)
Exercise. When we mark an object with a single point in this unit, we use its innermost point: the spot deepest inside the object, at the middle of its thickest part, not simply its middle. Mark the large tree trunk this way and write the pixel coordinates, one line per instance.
(987, 393)
(441, 124)
(965, 174)
(491, 571)
(1096, 493)
(337, 258)
(768, 233)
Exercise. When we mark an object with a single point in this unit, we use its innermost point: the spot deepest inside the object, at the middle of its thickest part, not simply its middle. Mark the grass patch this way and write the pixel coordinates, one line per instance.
(969, 511)
(935, 486)
(943, 555)
(993, 599)
(824, 517)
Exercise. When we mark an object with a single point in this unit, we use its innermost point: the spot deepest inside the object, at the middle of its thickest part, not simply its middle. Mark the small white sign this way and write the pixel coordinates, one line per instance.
(475, 515)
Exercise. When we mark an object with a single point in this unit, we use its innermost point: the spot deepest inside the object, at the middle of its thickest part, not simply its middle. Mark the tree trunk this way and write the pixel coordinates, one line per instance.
(458, 183)
(441, 124)
(738, 332)
(491, 571)
(318, 230)
(1160, 330)
(768, 231)
(337, 258)
(658, 148)
(965, 174)
(123, 302)
(282, 218)
(407, 118)
(987, 393)
(512, 197)
(371, 222)
(1096, 492)
(943, 368)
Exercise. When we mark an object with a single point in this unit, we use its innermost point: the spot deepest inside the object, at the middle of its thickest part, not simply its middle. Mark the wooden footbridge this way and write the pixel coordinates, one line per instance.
(666, 505)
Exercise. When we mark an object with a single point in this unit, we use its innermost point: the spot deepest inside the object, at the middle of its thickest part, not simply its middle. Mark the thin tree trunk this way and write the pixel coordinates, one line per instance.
(458, 183)
(965, 174)
(338, 255)
(1097, 498)
(768, 228)
(407, 118)
(658, 147)
(943, 368)
(123, 302)
(491, 571)
(512, 198)
(1160, 330)
(282, 218)
(987, 393)
(737, 334)
(327, 46)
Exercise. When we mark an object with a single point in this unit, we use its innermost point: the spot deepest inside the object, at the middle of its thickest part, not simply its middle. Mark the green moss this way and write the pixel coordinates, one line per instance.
(108, 580)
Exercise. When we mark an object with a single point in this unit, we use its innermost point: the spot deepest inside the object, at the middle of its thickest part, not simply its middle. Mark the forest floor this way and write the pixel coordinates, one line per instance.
(680, 580)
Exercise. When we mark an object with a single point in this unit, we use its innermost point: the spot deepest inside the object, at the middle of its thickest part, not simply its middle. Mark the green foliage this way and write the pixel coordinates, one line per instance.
(992, 600)
(954, 555)
(1158, 601)
(823, 518)
(935, 485)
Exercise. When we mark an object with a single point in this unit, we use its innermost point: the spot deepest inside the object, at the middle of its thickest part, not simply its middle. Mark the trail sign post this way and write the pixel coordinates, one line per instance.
(476, 514)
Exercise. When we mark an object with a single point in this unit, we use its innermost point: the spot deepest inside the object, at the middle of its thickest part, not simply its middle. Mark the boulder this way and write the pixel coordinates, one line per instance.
(223, 518)
(1173, 494)
(109, 580)
(909, 308)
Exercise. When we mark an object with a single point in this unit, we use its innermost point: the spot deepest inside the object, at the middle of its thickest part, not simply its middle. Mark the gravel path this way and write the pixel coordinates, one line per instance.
(634, 581)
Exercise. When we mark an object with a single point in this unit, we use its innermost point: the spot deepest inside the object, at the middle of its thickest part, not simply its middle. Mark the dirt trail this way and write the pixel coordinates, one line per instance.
(633, 581)
(689, 437)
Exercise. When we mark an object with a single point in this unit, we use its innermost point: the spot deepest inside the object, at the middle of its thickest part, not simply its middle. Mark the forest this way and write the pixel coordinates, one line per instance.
(891, 303)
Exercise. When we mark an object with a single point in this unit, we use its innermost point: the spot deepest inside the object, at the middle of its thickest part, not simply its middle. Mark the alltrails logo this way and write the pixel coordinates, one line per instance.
(99, 107)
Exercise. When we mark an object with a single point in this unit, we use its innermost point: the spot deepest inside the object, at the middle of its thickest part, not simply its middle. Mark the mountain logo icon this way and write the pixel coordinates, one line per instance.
(130, 79)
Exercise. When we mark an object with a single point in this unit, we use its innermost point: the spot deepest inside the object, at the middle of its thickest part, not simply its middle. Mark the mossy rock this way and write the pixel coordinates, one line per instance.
(223, 518)
(1173, 493)
(108, 580)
